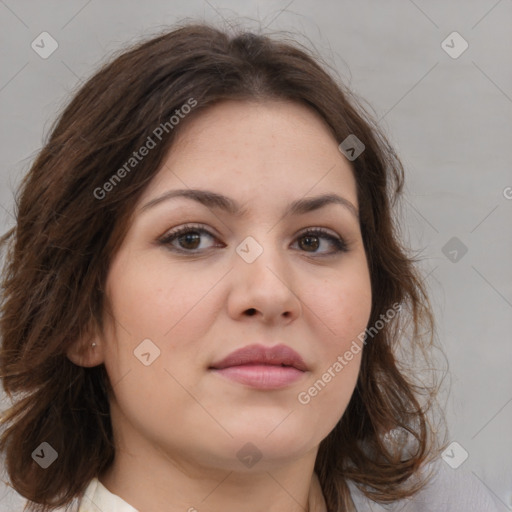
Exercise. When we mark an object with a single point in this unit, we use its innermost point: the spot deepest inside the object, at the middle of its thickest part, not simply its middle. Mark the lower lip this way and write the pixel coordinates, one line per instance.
(262, 376)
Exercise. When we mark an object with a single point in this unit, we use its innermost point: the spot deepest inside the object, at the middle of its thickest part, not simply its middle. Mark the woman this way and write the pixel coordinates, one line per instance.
(205, 296)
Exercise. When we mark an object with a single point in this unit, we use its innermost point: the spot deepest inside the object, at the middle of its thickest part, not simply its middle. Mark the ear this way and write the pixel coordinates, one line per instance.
(87, 352)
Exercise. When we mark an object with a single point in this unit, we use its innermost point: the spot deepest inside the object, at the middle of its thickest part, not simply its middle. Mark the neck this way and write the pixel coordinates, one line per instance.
(159, 483)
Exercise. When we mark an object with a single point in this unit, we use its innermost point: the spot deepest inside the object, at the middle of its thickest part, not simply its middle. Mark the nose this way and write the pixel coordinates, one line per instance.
(263, 287)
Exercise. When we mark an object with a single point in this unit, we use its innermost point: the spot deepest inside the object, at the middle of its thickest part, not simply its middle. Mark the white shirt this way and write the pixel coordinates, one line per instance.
(98, 497)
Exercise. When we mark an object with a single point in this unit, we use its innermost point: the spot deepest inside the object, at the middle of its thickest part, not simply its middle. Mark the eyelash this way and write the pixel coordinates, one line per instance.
(339, 244)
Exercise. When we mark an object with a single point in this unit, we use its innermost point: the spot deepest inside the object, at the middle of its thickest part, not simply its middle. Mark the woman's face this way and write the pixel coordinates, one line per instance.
(256, 277)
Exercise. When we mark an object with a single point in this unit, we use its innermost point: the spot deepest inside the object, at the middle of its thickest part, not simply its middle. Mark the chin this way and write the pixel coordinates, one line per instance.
(256, 450)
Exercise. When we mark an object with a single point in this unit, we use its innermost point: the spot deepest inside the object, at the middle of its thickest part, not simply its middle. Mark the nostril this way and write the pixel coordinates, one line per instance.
(251, 311)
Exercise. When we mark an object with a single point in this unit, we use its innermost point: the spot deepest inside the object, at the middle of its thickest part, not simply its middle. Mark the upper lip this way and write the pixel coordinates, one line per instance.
(278, 355)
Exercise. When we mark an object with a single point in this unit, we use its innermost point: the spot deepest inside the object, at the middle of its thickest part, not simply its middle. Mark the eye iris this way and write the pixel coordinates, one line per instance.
(309, 243)
(191, 236)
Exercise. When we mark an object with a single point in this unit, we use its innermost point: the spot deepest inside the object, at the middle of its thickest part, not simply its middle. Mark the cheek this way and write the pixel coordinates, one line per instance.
(342, 306)
(155, 302)
(341, 310)
(156, 299)
(167, 305)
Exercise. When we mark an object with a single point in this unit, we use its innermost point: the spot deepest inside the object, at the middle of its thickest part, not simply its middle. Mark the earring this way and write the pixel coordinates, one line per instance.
(93, 344)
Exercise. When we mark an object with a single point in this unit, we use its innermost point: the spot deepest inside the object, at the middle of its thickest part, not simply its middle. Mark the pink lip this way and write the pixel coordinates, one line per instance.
(262, 367)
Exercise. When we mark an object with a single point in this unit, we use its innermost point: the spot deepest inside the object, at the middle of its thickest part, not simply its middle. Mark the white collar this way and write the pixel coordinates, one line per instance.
(98, 497)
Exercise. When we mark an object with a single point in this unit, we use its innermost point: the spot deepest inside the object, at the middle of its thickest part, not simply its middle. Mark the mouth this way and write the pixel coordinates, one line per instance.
(262, 367)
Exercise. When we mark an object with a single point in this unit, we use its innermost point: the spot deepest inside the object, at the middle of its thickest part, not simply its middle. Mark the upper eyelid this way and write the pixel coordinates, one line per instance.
(201, 228)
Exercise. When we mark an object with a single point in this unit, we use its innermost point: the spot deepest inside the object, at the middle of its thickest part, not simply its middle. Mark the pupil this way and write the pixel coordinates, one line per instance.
(190, 238)
(309, 239)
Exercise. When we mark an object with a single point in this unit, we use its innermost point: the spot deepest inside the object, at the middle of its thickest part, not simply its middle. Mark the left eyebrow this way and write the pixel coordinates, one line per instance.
(215, 200)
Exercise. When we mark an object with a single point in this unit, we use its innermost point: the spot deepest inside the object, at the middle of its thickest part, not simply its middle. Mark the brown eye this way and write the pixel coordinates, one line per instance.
(311, 241)
(186, 239)
(189, 240)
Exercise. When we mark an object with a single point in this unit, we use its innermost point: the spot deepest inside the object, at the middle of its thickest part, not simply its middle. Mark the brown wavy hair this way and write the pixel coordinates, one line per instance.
(58, 253)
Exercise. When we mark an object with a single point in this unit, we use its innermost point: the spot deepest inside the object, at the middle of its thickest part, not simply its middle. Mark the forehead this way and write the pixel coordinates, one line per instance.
(272, 149)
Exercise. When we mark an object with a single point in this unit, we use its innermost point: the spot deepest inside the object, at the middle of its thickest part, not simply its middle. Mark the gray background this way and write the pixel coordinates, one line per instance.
(449, 118)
